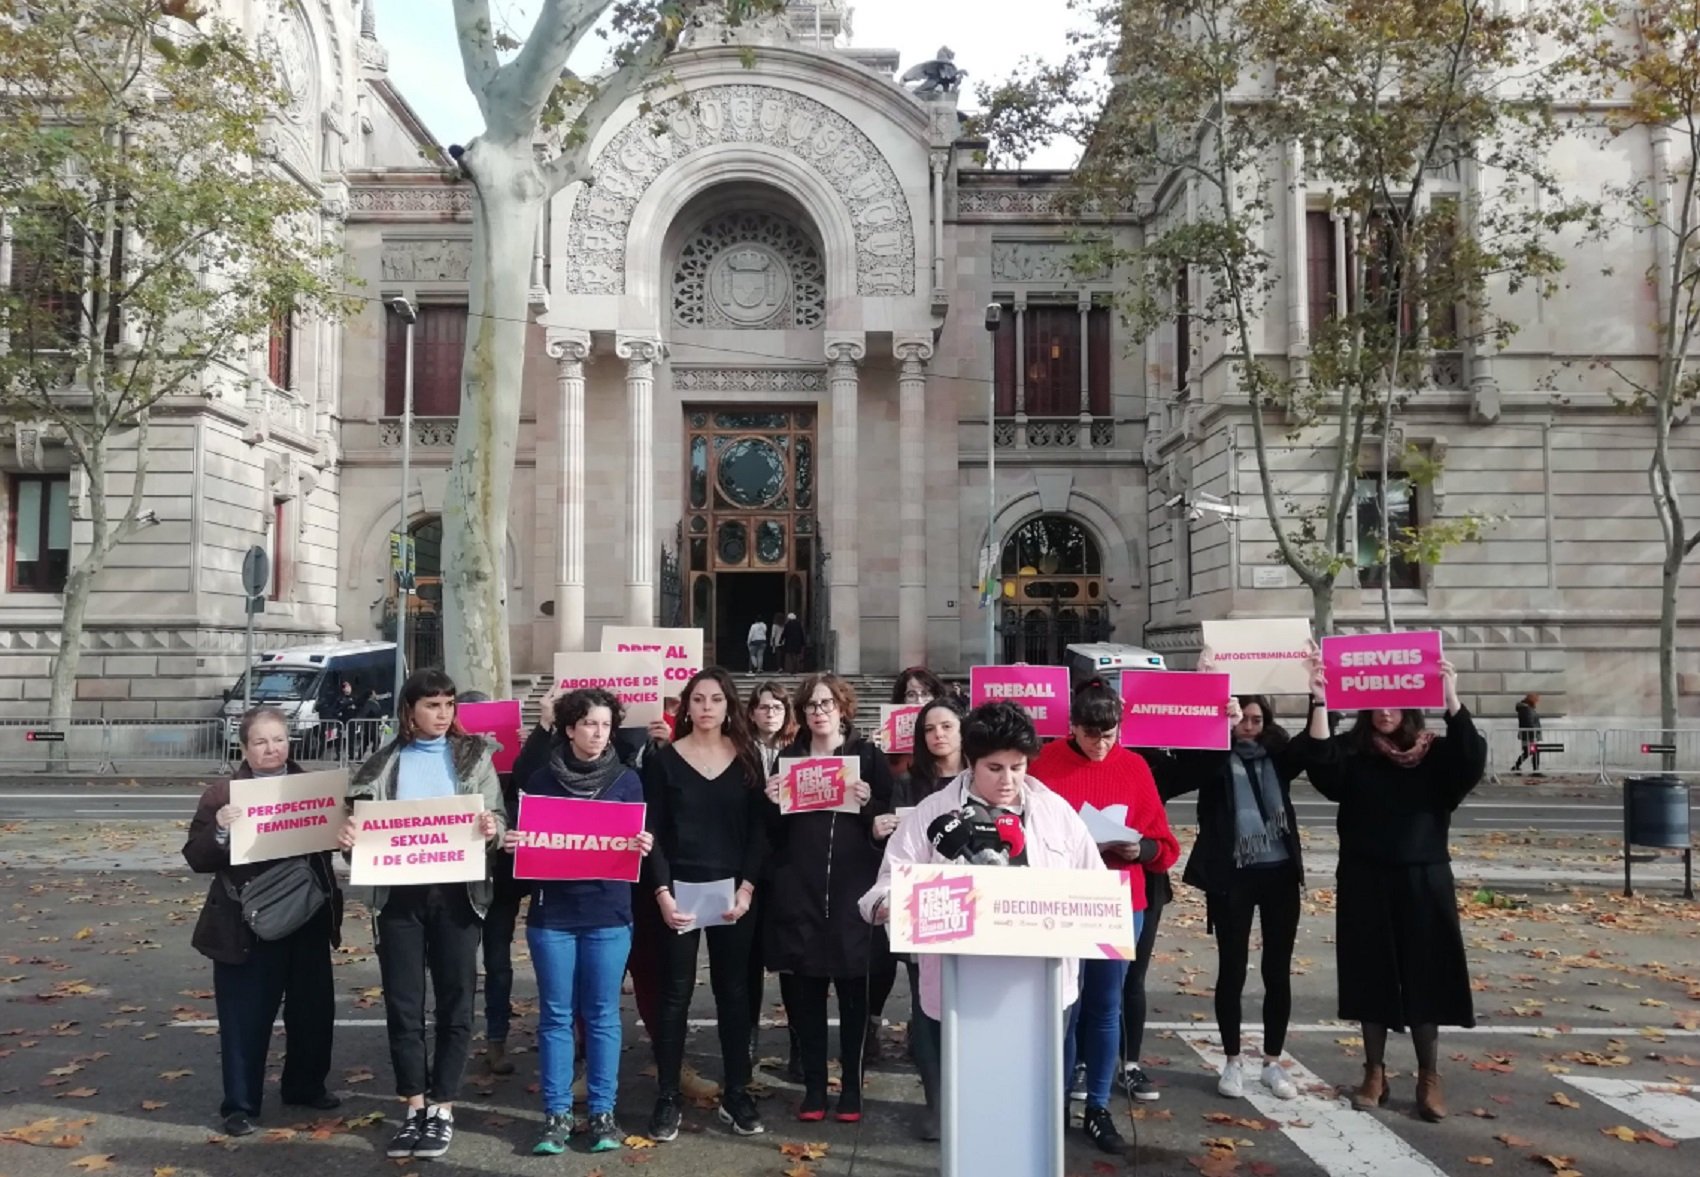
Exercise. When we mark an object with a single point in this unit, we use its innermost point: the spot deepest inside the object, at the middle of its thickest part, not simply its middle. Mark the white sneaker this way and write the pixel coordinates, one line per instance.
(1232, 1082)
(1275, 1078)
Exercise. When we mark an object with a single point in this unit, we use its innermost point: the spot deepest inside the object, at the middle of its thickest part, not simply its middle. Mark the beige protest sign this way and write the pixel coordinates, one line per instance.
(282, 816)
(1264, 655)
(680, 650)
(1011, 911)
(634, 678)
(435, 840)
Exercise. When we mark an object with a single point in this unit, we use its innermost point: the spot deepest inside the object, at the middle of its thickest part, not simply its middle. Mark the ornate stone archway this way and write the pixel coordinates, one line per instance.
(830, 145)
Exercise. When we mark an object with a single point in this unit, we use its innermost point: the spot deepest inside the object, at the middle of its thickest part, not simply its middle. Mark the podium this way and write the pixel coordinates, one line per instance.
(1002, 934)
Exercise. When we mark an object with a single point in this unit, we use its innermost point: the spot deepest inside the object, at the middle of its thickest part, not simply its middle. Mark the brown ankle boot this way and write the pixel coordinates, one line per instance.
(1373, 1093)
(1431, 1106)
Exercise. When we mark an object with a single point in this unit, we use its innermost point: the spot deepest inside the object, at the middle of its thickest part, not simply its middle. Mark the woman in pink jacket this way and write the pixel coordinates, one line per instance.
(997, 742)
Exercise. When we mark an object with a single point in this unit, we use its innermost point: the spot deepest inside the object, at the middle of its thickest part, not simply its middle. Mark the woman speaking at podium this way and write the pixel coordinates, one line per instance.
(998, 740)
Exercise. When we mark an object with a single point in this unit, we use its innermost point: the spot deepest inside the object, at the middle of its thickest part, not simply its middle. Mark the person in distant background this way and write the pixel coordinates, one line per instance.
(757, 641)
(1529, 733)
(792, 640)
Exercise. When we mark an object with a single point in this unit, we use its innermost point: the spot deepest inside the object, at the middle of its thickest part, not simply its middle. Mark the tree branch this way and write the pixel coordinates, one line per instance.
(520, 89)
(574, 163)
(477, 37)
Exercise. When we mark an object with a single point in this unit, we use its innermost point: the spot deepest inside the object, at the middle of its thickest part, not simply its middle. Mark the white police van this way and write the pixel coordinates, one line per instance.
(1106, 660)
(305, 682)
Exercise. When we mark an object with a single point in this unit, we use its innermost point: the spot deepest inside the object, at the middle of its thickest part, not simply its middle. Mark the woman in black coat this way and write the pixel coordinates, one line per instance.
(822, 865)
(252, 977)
(1248, 863)
(1398, 945)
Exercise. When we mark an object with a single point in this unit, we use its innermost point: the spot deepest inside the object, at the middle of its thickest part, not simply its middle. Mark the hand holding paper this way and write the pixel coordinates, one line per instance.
(703, 904)
(1109, 827)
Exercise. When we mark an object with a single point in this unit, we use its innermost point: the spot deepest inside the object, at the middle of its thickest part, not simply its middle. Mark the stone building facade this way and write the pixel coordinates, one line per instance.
(758, 380)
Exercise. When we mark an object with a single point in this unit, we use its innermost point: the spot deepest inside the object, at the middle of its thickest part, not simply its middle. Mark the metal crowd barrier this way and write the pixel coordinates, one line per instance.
(1559, 751)
(154, 747)
(53, 745)
(1639, 751)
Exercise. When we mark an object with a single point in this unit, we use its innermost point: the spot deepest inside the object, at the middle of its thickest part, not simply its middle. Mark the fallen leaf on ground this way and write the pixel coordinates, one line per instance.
(803, 1152)
(1479, 1160)
(1658, 1138)
(165, 1171)
(638, 1142)
(1564, 1101)
(1619, 1132)
(1510, 1141)
(92, 1162)
(78, 1093)
(152, 1105)
(172, 1076)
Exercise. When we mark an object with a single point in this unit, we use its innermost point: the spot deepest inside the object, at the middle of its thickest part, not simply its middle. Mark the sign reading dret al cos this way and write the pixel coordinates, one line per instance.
(1011, 911)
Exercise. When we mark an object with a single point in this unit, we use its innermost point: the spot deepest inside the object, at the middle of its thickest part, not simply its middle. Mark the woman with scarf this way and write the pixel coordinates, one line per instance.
(1247, 862)
(1092, 768)
(1397, 943)
(580, 932)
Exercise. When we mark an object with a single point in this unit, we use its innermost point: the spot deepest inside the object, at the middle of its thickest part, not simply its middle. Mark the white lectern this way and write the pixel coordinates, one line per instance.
(1003, 933)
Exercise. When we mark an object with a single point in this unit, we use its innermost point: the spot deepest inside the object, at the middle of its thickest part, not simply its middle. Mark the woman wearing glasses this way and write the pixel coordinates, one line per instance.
(822, 865)
(1091, 767)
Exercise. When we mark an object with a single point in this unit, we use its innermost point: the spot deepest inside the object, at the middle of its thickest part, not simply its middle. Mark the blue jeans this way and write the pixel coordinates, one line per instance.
(579, 972)
(1095, 1019)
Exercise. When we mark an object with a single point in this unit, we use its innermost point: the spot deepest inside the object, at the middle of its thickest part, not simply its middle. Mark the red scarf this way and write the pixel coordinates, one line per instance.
(1404, 757)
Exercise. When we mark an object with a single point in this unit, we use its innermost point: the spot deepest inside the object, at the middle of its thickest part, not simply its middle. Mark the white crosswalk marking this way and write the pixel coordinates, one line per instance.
(1343, 1142)
(1663, 1107)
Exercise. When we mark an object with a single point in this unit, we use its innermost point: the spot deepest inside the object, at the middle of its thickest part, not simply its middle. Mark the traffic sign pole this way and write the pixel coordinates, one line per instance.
(256, 568)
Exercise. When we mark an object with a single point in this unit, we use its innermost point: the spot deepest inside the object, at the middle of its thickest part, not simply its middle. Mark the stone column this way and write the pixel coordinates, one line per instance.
(1084, 440)
(569, 351)
(1020, 374)
(912, 353)
(640, 354)
(843, 353)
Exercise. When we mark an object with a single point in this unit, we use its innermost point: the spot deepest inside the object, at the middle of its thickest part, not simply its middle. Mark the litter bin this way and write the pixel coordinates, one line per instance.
(1656, 815)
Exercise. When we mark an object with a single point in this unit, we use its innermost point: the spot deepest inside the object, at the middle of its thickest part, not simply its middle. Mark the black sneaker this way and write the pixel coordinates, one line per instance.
(238, 1124)
(1138, 1085)
(605, 1134)
(1101, 1127)
(438, 1132)
(408, 1136)
(557, 1130)
(738, 1111)
(664, 1120)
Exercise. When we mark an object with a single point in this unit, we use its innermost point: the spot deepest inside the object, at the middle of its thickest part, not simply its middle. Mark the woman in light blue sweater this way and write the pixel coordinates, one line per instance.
(429, 927)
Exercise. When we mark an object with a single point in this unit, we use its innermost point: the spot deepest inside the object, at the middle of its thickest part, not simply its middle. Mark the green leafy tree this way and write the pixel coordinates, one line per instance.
(1422, 126)
(530, 93)
(152, 244)
(1645, 55)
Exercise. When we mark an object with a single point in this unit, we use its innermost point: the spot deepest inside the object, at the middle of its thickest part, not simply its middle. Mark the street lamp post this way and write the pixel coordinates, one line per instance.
(404, 311)
(994, 316)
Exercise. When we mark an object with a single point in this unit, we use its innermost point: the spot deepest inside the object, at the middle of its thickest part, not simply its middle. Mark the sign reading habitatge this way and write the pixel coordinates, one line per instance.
(1011, 911)
(435, 840)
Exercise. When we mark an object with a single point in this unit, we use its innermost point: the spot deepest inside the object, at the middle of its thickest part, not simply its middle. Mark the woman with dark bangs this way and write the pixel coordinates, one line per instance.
(1397, 942)
(705, 810)
(430, 928)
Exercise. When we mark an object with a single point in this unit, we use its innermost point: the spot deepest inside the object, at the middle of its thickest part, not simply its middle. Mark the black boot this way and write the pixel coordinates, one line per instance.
(794, 1065)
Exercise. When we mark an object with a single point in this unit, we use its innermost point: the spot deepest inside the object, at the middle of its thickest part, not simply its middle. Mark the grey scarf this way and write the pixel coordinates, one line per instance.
(1260, 818)
(583, 779)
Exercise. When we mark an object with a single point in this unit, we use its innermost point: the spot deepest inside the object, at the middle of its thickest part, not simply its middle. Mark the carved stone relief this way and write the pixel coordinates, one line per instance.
(822, 138)
(784, 380)
(749, 270)
(446, 260)
(1036, 261)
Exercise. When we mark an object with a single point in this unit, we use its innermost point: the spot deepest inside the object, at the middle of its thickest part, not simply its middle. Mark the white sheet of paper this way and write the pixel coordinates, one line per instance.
(1108, 827)
(709, 902)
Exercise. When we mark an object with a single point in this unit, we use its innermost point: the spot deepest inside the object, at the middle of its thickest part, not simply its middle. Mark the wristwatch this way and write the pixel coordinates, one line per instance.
(1316, 703)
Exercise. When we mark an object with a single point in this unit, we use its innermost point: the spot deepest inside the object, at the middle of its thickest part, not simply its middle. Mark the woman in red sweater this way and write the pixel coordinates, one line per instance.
(1092, 768)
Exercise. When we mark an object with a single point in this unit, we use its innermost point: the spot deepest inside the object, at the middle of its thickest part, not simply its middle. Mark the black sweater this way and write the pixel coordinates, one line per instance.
(1210, 866)
(704, 829)
(1391, 815)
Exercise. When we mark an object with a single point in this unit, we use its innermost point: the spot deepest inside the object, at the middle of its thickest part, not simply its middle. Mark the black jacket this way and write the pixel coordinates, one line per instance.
(220, 933)
(823, 863)
(1528, 720)
(1210, 866)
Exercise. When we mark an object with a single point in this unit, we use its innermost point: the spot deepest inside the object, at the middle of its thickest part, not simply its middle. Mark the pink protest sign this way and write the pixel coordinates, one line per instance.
(499, 720)
(897, 726)
(1174, 709)
(818, 784)
(1041, 691)
(1366, 670)
(570, 838)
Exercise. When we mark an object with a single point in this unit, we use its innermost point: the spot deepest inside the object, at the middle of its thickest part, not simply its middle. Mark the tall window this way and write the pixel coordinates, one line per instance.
(1402, 512)
(280, 351)
(38, 558)
(1321, 268)
(439, 342)
(1183, 329)
(1326, 241)
(48, 260)
(274, 591)
(1050, 360)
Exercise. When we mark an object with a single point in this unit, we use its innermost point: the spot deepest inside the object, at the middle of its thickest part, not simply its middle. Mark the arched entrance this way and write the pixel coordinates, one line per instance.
(424, 638)
(1053, 590)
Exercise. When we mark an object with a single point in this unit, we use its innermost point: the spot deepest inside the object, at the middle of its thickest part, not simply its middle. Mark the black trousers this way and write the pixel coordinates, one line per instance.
(429, 929)
(296, 973)
(1133, 988)
(807, 1013)
(1273, 896)
(728, 978)
(755, 981)
(498, 943)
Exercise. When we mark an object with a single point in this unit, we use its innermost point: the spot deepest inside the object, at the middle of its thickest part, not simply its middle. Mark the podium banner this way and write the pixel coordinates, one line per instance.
(1011, 911)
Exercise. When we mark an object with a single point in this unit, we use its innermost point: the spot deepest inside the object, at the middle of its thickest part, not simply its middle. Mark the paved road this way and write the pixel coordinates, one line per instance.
(103, 1007)
(1557, 808)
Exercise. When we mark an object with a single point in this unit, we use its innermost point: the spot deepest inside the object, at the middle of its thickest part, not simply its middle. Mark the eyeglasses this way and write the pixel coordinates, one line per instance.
(820, 706)
(770, 707)
(917, 697)
(1095, 737)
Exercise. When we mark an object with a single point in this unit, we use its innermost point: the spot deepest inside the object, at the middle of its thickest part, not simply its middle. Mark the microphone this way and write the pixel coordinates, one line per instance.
(950, 835)
(1011, 834)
